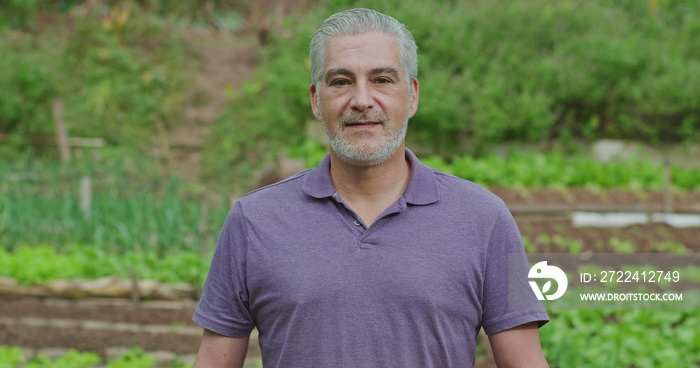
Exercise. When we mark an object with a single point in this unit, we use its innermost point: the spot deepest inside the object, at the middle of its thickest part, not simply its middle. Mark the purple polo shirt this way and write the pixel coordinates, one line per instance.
(323, 290)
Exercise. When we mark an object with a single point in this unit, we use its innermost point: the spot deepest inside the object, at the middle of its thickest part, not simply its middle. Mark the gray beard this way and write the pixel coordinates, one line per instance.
(366, 155)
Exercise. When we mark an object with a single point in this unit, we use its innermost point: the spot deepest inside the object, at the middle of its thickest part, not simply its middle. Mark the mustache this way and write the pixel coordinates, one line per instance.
(364, 116)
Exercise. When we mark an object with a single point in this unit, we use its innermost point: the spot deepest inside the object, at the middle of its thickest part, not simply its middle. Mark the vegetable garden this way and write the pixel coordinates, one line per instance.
(119, 223)
(572, 339)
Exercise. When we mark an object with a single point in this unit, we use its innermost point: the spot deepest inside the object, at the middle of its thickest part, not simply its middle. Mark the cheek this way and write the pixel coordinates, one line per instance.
(330, 109)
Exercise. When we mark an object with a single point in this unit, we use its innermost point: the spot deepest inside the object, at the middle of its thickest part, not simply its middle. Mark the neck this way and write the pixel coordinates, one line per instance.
(370, 190)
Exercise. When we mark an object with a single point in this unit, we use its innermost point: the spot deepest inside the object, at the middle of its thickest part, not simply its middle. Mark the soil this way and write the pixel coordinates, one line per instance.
(546, 212)
(97, 325)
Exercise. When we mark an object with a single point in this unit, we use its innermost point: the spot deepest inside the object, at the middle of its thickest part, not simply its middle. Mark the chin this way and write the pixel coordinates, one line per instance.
(364, 156)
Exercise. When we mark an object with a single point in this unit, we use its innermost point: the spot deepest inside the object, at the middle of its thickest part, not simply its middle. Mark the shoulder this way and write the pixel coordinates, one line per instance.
(276, 191)
(463, 204)
(462, 191)
(282, 198)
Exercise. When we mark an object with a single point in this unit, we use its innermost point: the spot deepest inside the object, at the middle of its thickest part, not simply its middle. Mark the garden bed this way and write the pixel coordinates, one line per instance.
(103, 323)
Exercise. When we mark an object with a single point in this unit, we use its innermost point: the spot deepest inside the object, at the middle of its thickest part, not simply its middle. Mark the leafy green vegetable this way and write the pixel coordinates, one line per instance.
(38, 264)
(622, 339)
(133, 358)
(10, 356)
(72, 359)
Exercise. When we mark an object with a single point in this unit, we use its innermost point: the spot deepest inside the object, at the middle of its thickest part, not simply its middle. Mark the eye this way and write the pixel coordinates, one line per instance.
(340, 82)
(382, 80)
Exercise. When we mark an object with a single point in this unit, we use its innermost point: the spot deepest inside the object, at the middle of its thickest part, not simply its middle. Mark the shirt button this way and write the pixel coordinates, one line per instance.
(357, 223)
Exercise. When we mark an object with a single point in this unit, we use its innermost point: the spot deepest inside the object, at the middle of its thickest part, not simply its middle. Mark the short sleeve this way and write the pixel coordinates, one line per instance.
(505, 250)
(223, 306)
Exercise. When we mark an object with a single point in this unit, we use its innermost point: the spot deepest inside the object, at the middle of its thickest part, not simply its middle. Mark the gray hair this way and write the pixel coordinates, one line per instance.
(358, 21)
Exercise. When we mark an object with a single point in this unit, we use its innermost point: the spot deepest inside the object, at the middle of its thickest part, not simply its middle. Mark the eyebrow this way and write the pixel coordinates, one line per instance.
(376, 71)
(388, 70)
(333, 72)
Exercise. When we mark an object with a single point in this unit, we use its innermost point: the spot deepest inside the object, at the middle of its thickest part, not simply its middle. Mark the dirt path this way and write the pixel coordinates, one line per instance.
(224, 62)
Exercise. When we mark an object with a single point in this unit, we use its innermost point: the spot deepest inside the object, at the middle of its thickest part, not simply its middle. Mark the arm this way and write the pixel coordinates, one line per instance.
(518, 347)
(221, 351)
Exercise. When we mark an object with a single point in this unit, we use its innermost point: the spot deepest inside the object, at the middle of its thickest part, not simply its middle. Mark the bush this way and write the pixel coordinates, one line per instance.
(27, 85)
(118, 74)
(18, 13)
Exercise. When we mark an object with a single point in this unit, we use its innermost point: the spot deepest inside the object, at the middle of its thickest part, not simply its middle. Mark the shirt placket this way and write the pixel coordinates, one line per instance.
(360, 230)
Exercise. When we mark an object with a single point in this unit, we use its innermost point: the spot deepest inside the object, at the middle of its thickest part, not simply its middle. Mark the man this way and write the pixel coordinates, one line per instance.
(371, 259)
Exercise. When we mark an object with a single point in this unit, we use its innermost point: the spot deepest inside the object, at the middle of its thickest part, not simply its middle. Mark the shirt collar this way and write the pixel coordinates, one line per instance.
(421, 189)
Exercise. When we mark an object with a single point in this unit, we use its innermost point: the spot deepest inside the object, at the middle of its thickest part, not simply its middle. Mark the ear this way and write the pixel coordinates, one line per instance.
(313, 95)
(415, 92)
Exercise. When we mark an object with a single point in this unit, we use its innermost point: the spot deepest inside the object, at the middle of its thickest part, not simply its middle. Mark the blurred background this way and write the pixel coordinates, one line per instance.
(128, 128)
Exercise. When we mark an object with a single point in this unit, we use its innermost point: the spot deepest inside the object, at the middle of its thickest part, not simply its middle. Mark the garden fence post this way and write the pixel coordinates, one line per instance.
(203, 220)
(61, 132)
(164, 147)
(135, 294)
(85, 194)
(668, 193)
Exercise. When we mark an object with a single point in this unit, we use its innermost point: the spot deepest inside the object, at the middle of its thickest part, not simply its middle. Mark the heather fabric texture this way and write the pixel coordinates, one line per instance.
(323, 290)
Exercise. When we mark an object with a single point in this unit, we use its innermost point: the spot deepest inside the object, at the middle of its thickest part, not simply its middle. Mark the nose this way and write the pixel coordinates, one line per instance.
(361, 98)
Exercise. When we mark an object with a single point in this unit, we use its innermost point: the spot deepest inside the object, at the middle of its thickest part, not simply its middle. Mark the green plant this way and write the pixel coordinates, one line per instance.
(690, 273)
(621, 338)
(571, 245)
(669, 246)
(27, 85)
(38, 264)
(544, 239)
(621, 245)
(529, 246)
(556, 170)
(72, 359)
(133, 358)
(132, 207)
(19, 12)
(115, 82)
(185, 364)
(10, 356)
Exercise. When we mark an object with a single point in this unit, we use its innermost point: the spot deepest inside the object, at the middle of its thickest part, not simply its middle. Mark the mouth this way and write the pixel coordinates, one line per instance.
(360, 124)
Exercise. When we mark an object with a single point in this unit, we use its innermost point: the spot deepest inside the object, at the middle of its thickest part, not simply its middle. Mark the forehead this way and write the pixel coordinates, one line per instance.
(366, 50)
